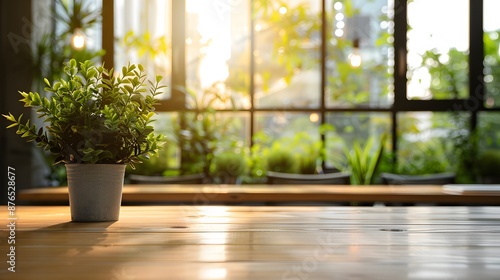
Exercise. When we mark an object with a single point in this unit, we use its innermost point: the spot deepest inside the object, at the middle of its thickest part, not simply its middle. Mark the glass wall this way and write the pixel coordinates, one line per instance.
(333, 72)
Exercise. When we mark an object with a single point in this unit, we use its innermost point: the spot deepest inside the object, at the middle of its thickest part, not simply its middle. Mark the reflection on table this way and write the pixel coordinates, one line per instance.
(243, 242)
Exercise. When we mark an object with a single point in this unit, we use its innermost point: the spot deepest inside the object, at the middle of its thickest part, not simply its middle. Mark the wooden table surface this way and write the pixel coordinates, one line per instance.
(220, 194)
(245, 242)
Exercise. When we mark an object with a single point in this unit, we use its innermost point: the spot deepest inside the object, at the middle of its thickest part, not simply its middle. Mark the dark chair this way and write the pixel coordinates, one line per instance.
(428, 179)
(181, 179)
(338, 178)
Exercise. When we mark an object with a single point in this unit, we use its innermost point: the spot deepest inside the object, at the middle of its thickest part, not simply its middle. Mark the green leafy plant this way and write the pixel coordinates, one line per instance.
(300, 153)
(228, 166)
(452, 76)
(281, 160)
(363, 161)
(146, 44)
(201, 131)
(155, 166)
(76, 14)
(95, 117)
(423, 158)
(491, 66)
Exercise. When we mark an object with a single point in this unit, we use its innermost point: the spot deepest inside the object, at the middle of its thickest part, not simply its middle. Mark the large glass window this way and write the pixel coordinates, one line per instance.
(284, 72)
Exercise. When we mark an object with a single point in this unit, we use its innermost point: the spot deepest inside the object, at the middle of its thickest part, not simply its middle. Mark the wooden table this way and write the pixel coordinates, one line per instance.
(244, 242)
(220, 194)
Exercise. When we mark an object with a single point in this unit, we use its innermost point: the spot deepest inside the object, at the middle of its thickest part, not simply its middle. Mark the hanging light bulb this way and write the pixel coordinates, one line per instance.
(78, 40)
(354, 57)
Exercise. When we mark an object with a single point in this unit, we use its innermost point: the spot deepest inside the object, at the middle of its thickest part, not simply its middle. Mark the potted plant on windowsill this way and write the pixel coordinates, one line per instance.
(98, 123)
(228, 167)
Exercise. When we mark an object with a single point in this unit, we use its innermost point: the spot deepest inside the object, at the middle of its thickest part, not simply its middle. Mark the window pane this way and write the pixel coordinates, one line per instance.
(203, 135)
(438, 46)
(433, 142)
(218, 47)
(213, 133)
(360, 53)
(349, 128)
(287, 41)
(489, 130)
(237, 133)
(282, 124)
(491, 24)
(143, 35)
(293, 135)
(168, 157)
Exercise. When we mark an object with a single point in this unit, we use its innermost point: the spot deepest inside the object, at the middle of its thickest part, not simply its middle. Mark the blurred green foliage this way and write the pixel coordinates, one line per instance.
(202, 131)
(227, 167)
(300, 153)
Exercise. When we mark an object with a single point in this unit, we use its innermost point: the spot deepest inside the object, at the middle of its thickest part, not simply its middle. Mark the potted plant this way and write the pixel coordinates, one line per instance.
(200, 130)
(98, 123)
(228, 167)
(298, 154)
(281, 160)
(363, 161)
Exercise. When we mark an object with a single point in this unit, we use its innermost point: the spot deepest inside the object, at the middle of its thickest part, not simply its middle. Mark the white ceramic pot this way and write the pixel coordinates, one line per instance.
(95, 191)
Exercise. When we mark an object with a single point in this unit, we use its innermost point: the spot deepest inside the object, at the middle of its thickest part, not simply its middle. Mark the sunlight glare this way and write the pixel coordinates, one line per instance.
(215, 31)
(213, 273)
